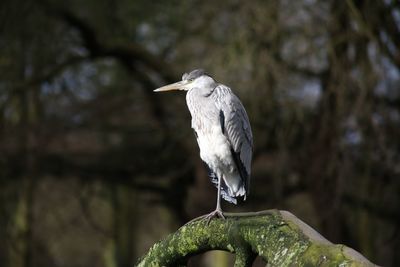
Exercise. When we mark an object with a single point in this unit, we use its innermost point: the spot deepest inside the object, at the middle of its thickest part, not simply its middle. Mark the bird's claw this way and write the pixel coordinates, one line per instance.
(215, 213)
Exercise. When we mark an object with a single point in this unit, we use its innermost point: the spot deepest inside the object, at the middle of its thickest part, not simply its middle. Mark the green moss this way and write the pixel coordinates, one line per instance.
(278, 241)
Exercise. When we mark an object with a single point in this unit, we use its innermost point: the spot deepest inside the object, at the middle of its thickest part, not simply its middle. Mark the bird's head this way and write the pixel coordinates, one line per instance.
(195, 79)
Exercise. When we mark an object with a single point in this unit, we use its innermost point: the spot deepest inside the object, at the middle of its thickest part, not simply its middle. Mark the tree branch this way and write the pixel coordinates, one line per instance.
(50, 74)
(128, 54)
(278, 237)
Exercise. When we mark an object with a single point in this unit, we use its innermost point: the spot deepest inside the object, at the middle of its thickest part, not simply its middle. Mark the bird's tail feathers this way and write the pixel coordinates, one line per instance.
(227, 197)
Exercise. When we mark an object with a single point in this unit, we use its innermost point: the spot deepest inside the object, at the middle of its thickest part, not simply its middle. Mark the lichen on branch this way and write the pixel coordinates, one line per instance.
(278, 237)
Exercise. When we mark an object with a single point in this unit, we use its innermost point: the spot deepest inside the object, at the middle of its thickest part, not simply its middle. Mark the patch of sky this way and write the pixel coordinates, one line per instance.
(389, 84)
(308, 94)
(155, 37)
(352, 135)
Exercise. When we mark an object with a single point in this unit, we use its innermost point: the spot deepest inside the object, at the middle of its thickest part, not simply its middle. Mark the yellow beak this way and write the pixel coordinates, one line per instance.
(173, 86)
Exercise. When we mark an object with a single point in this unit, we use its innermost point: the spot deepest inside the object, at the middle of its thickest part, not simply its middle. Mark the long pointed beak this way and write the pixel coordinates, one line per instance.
(173, 86)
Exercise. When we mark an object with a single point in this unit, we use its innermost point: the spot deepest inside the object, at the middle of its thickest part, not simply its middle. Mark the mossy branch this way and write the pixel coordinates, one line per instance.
(278, 237)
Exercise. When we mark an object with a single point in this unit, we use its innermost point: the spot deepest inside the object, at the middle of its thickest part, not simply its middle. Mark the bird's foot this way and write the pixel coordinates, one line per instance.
(215, 213)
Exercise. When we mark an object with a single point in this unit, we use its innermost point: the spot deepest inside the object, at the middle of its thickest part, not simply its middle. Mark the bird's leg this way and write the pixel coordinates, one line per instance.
(218, 211)
(218, 208)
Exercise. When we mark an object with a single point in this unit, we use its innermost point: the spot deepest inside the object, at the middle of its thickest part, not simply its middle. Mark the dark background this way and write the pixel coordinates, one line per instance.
(95, 167)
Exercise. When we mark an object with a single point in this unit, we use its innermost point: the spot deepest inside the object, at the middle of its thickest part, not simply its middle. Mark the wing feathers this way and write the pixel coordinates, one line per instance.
(236, 128)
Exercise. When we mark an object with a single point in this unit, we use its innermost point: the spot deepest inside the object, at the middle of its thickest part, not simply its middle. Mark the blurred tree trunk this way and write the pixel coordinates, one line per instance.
(216, 258)
(125, 204)
(23, 217)
(324, 171)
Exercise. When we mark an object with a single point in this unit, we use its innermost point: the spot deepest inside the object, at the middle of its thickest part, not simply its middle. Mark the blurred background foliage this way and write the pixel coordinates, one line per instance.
(95, 167)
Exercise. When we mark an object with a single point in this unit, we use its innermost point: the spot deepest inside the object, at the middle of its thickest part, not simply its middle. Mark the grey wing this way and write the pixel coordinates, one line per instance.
(236, 127)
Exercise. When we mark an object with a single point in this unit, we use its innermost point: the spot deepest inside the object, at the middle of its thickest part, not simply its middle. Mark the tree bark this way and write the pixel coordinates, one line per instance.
(278, 237)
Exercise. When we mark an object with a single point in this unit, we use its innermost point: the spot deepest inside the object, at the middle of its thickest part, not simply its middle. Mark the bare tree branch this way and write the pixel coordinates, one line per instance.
(129, 54)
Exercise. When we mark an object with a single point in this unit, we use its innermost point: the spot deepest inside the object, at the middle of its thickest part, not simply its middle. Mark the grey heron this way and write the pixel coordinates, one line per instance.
(223, 134)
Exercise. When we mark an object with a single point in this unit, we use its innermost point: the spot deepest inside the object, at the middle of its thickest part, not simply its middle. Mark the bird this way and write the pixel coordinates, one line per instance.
(223, 134)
